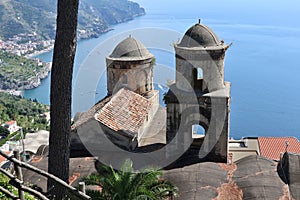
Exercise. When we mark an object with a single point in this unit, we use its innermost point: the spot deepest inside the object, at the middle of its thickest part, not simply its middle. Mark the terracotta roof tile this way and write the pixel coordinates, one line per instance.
(126, 111)
(11, 122)
(271, 147)
(2, 158)
(90, 114)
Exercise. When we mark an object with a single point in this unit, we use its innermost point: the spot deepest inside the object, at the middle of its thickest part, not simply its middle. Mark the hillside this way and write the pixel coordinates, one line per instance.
(27, 113)
(17, 72)
(32, 16)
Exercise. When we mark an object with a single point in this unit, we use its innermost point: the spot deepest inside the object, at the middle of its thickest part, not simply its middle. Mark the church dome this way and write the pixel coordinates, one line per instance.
(130, 49)
(199, 35)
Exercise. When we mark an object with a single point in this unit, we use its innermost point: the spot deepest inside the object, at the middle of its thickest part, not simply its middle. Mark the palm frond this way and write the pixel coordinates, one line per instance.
(131, 185)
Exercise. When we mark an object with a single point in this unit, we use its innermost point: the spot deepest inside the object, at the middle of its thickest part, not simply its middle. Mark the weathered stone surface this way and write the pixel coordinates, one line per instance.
(200, 96)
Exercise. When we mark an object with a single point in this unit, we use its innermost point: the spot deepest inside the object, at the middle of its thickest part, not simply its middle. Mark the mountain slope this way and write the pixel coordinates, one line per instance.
(95, 16)
(17, 72)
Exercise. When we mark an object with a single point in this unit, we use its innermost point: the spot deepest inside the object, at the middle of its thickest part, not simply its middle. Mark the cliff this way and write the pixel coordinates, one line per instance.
(28, 26)
(17, 72)
(31, 16)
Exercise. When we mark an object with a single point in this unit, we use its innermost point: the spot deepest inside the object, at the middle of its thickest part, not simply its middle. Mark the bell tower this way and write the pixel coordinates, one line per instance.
(130, 65)
(199, 98)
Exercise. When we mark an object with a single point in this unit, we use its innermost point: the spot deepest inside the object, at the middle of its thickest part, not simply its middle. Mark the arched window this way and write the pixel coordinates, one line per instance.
(199, 73)
(197, 78)
(198, 131)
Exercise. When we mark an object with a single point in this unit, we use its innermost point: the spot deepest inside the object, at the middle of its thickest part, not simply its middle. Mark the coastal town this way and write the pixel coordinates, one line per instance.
(33, 146)
(26, 45)
(188, 136)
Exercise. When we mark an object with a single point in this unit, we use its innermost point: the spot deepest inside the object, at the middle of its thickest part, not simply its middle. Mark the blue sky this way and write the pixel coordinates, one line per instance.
(263, 12)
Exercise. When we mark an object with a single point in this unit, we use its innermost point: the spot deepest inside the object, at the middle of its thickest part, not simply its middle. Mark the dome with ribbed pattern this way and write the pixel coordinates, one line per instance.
(199, 35)
(130, 49)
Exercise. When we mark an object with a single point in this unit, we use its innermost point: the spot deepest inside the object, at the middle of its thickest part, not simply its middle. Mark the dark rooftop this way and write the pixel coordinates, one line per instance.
(199, 35)
(79, 168)
(130, 49)
(253, 177)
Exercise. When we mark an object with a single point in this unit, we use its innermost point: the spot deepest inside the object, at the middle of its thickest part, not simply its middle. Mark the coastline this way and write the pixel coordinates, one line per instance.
(31, 44)
(13, 92)
(81, 37)
(38, 52)
(51, 47)
(44, 74)
(33, 82)
(36, 82)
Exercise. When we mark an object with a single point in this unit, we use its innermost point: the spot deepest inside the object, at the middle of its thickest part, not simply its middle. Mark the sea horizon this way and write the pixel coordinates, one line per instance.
(261, 64)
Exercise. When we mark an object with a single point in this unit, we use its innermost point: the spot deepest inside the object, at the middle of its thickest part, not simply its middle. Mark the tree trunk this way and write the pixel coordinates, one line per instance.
(61, 94)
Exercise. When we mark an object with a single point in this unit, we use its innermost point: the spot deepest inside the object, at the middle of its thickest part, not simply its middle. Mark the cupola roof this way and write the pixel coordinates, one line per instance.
(200, 35)
(130, 49)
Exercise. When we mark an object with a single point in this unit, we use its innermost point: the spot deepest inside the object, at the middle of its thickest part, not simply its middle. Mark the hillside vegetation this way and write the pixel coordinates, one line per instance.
(17, 72)
(95, 16)
(25, 112)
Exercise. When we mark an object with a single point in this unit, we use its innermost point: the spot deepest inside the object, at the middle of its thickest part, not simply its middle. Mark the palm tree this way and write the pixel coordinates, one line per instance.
(128, 184)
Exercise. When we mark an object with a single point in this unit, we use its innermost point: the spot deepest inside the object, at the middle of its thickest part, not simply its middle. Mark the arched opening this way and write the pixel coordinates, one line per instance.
(198, 78)
(198, 131)
(199, 74)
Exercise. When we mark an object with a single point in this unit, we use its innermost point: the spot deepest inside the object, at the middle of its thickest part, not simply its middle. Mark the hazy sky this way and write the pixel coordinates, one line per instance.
(241, 4)
(276, 12)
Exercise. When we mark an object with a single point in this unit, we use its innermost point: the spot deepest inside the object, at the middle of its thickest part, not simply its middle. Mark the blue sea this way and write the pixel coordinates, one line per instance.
(262, 63)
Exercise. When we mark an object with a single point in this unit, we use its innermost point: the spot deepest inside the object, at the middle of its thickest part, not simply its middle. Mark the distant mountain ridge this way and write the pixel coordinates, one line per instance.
(32, 16)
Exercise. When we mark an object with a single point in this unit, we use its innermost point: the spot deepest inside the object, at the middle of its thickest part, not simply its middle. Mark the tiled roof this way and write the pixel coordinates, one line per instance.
(84, 117)
(271, 147)
(78, 169)
(126, 111)
(2, 158)
(11, 122)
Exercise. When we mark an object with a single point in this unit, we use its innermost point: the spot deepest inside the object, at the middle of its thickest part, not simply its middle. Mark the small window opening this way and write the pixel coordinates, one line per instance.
(198, 131)
(199, 73)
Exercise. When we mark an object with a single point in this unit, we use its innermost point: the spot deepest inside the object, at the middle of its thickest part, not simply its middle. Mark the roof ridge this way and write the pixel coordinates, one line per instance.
(278, 137)
(116, 113)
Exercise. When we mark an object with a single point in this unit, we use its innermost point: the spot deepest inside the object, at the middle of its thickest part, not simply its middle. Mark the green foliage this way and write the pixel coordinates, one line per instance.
(3, 131)
(16, 71)
(4, 182)
(129, 184)
(25, 112)
(115, 11)
(20, 17)
(28, 16)
(15, 135)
